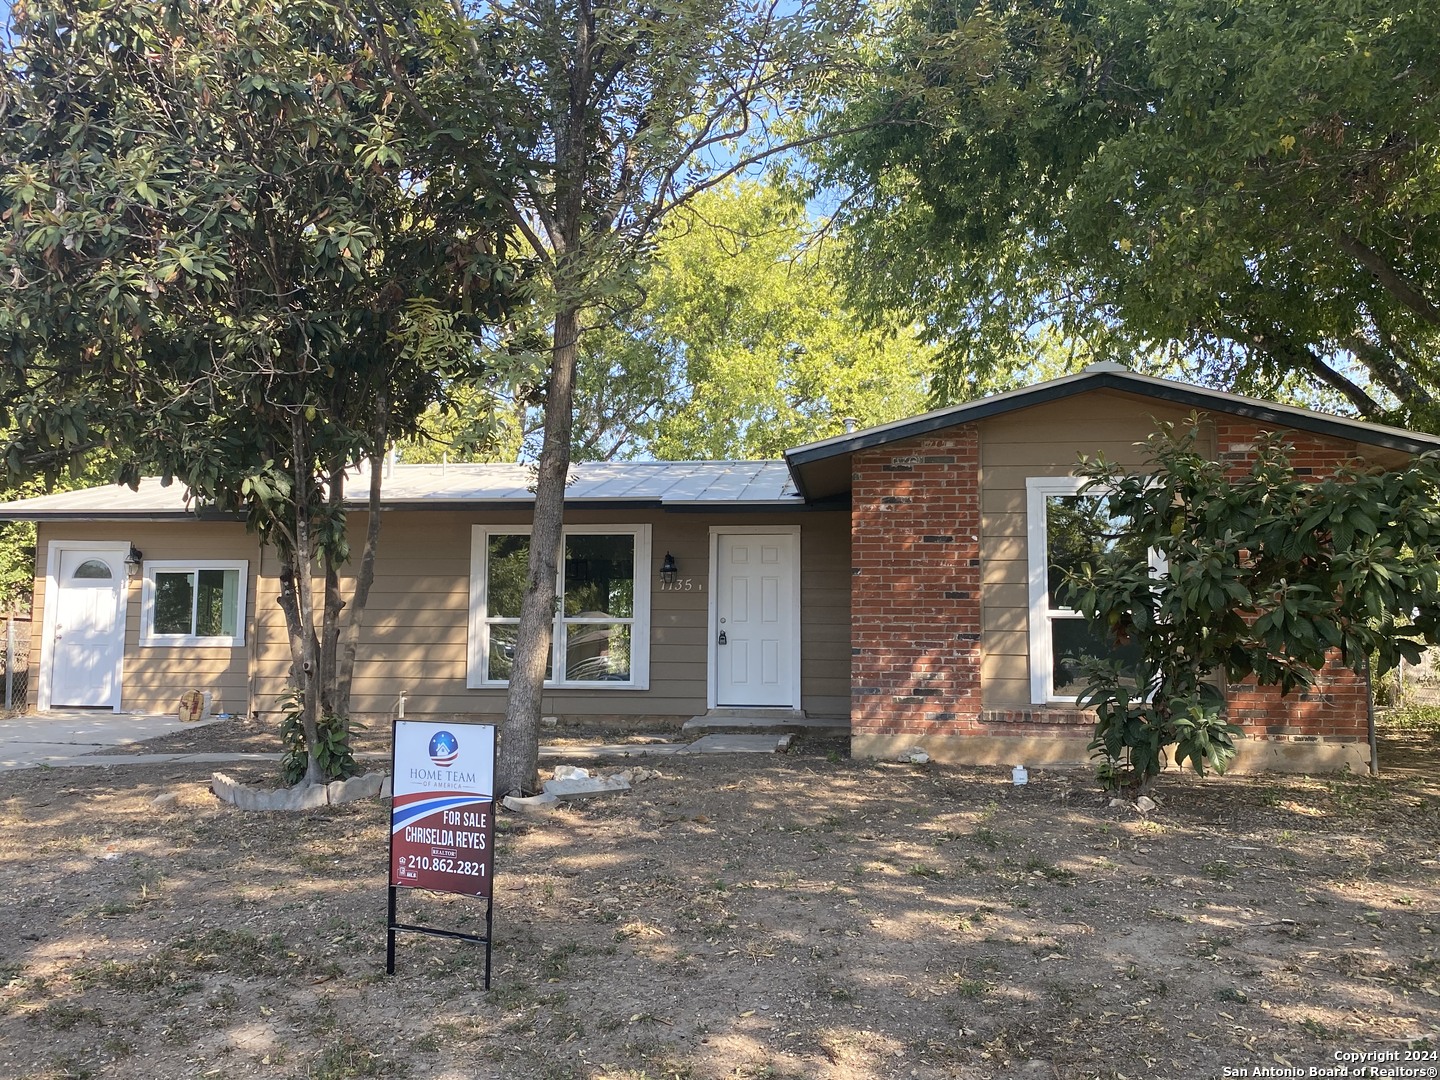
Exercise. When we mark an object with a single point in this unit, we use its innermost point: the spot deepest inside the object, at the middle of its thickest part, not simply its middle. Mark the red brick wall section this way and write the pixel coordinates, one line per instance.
(915, 602)
(1334, 709)
(915, 637)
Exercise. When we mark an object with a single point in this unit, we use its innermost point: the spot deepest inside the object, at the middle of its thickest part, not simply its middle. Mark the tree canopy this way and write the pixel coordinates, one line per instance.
(743, 344)
(1253, 189)
(230, 260)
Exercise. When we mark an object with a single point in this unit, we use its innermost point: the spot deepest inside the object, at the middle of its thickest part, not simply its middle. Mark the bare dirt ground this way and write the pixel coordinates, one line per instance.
(741, 917)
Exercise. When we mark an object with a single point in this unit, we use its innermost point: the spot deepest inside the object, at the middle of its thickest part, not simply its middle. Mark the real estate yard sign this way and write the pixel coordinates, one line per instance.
(442, 820)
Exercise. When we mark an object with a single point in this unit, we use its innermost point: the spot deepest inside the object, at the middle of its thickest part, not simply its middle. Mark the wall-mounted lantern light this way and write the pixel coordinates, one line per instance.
(668, 569)
(134, 561)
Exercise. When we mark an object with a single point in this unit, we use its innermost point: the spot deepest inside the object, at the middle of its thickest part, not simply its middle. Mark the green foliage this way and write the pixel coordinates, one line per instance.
(237, 258)
(17, 566)
(1262, 574)
(740, 344)
(743, 345)
(1251, 189)
(224, 228)
(331, 748)
(1416, 717)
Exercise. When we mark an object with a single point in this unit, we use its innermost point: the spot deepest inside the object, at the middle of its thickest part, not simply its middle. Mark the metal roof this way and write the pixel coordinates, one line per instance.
(632, 484)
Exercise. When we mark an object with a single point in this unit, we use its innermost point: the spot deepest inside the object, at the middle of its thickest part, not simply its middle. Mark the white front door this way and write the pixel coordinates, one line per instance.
(87, 635)
(755, 647)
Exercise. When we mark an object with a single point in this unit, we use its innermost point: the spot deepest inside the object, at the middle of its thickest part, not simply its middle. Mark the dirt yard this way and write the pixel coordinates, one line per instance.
(796, 916)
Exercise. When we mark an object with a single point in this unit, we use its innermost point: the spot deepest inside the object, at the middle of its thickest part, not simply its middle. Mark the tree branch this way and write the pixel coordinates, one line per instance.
(1394, 283)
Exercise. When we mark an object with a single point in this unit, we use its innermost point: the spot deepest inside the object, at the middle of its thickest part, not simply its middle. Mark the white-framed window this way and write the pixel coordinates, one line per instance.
(601, 636)
(189, 602)
(1063, 530)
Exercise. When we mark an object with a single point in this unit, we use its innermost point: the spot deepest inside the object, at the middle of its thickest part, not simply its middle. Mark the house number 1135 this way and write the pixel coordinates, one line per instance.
(683, 585)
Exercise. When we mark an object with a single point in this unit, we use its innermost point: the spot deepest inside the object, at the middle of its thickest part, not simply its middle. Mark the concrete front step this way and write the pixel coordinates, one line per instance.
(754, 721)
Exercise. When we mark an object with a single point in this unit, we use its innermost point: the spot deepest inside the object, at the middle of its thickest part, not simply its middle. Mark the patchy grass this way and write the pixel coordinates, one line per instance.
(804, 917)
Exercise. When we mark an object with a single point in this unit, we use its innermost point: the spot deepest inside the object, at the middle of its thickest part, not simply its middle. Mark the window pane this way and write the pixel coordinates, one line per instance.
(507, 566)
(1078, 528)
(597, 653)
(174, 599)
(1074, 639)
(93, 568)
(600, 577)
(217, 593)
(501, 660)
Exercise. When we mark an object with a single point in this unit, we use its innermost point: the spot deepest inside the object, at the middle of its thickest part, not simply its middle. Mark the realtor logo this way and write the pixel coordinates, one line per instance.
(444, 748)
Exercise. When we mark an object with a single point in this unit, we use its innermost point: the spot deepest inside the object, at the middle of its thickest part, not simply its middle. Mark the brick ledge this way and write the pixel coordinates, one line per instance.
(1050, 715)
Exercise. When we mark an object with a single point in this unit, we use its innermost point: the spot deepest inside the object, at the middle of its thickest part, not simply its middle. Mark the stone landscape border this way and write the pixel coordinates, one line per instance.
(301, 796)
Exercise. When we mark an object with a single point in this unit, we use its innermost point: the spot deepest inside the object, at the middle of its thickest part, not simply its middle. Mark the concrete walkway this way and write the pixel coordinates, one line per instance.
(58, 738)
(70, 740)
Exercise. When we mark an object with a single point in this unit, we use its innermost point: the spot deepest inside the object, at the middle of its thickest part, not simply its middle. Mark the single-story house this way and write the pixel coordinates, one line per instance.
(894, 576)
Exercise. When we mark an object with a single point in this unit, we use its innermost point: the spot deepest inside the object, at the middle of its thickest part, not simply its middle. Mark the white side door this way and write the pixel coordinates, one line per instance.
(754, 646)
(86, 626)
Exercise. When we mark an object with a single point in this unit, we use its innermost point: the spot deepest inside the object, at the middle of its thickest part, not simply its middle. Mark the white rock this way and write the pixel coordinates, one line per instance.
(166, 801)
(1144, 804)
(570, 772)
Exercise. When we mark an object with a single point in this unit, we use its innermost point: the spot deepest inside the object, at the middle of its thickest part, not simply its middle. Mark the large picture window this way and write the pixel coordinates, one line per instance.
(191, 603)
(601, 634)
(1065, 529)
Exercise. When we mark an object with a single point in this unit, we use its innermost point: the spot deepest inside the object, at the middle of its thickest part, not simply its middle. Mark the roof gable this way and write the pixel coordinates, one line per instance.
(822, 469)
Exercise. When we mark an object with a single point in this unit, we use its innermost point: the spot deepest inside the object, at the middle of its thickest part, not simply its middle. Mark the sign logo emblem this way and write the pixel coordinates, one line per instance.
(444, 748)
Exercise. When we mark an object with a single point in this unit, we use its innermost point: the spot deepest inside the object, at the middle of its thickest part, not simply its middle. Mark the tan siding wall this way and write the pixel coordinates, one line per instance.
(155, 677)
(1041, 441)
(416, 622)
(1045, 441)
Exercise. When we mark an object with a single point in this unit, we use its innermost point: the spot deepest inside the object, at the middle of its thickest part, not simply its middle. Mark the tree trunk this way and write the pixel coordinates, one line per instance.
(306, 661)
(334, 604)
(364, 578)
(519, 757)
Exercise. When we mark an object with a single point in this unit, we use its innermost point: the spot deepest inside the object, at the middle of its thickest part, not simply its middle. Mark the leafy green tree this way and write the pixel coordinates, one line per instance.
(739, 344)
(1262, 576)
(1251, 189)
(743, 345)
(609, 118)
(232, 261)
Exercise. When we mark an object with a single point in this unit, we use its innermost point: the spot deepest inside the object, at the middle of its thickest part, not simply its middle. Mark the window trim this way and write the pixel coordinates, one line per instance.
(479, 624)
(1038, 491)
(150, 639)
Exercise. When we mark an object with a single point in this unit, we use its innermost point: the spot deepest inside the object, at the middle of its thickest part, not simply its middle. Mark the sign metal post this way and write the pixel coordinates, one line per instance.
(442, 822)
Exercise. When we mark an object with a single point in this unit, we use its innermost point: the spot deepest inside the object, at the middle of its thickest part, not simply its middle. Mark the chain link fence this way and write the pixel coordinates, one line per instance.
(15, 658)
(1416, 684)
